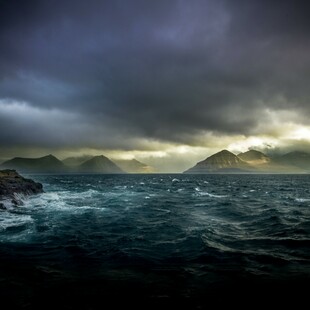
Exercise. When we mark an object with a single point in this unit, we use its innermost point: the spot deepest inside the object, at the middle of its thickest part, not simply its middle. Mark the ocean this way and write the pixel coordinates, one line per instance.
(155, 239)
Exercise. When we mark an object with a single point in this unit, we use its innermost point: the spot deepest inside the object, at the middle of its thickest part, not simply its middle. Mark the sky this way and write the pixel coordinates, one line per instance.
(166, 82)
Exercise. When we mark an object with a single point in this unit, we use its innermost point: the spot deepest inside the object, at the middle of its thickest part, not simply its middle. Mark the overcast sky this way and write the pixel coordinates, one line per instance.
(167, 82)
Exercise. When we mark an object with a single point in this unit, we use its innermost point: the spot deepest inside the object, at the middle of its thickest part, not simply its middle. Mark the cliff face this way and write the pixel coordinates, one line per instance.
(224, 161)
(11, 183)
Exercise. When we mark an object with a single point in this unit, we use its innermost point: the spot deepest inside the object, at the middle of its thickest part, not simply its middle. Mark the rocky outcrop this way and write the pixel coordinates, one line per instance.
(12, 185)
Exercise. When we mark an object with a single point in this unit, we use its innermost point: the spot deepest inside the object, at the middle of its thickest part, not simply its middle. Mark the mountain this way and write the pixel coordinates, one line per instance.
(99, 164)
(254, 157)
(299, 160)
(45, 164)
(133, 166)
(253, 162)
(50, 164)
(261, 163)
(221, 162)
(75, 161)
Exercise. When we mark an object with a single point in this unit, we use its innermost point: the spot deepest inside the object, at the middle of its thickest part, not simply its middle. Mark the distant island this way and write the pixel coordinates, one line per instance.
(253, 162)
(83, 164)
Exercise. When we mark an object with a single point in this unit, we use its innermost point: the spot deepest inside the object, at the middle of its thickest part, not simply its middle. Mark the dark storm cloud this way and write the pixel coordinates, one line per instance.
(165, 70)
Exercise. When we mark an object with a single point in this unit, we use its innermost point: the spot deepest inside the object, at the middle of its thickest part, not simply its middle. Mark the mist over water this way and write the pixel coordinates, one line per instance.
(159, 237)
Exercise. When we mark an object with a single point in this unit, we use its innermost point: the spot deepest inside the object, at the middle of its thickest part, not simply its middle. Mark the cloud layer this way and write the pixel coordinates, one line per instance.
(123, 74)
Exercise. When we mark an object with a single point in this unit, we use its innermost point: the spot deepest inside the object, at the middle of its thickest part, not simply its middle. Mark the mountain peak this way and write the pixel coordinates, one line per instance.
(223, 161)
(98, 157)
(99, 164)
(224, 152)
(220, 156)
(49, 156)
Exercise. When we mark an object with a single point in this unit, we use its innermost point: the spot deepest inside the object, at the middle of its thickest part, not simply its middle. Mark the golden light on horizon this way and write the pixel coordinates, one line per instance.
(302, 133)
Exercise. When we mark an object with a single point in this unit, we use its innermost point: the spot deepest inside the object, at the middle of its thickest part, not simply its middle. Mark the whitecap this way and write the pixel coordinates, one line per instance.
(20, 196)
(7, 204)
(211, 195)
(9, 220)
(45, 200)
(74, 195)
(162, 210)
(175, 180)
(10, 204)
(216, 245)
(58, 201)
(216, 196)
(302, 199)
(120, 187)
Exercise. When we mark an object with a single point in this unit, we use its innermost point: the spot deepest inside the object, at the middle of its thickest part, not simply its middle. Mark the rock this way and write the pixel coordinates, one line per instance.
(12, 184)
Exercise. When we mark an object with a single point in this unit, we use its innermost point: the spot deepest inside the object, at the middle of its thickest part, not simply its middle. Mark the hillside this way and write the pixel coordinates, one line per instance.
(45, 164)
(133, 166)
(76, 160)
(221, 162)
(253, 162)
(99, 164)
(254, 157)
(300, 160)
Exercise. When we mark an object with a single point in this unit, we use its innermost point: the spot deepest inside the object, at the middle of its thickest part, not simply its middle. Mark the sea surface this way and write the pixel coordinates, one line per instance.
(155, 238)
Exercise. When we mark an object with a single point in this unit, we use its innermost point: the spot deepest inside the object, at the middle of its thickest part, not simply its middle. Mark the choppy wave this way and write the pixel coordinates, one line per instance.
(198, 226)
(302, 199)
(10, 220)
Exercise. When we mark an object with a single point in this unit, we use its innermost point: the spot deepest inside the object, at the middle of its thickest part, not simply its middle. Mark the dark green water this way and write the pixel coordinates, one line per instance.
(157, 238)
